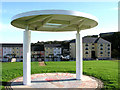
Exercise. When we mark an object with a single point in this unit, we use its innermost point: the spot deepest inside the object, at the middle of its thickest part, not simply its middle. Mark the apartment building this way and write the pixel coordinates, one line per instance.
(9, 50)
(93, 48)
(37, 52)
(52, 52)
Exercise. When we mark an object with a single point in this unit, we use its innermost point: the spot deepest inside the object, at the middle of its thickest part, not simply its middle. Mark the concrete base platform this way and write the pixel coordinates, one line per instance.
(57, 80)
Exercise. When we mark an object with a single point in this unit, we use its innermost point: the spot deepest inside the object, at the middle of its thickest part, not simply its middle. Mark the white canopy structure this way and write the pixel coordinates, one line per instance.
(52, 21)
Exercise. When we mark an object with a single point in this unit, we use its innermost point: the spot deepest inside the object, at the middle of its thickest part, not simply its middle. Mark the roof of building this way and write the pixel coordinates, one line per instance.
(92, 40)
(11, 44)
(100, 41)
(89, 39)
(52, 45)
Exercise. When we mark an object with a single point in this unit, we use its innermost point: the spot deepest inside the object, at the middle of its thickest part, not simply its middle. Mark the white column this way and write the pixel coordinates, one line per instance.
(79, 57)
(27, 57)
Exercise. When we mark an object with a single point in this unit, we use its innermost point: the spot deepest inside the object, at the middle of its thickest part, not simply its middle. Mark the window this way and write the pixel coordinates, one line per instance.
(101, 48)
(108, 44)
(86, 44)
(101, 44)
(108, 48)
(93, 44)
(13, 52)
(13, 48)
(86, 52)
(92, 47)
(101, 52)
(108, 52)
(86, 48)
(17, 48)
(17, 51)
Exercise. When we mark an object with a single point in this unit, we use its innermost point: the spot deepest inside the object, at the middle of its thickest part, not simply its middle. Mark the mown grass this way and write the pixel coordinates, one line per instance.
(105, 70)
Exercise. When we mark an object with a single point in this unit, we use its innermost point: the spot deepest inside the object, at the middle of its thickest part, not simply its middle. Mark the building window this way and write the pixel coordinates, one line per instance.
(93, 44)
(13, 48)
(101, 48)
(17, 48)
(86, 44)
(86, 52)
(92, 47)
(108, 52)
(108, 48)
(13, 52)
(101, 52)
(17, 51)
(101, 45)
(108, 44)
(86, 48)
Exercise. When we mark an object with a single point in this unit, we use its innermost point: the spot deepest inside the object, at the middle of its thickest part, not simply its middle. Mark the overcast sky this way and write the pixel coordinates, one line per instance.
(106, 12)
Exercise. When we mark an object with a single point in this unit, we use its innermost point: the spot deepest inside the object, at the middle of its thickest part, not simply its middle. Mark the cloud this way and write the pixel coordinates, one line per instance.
(116, 8)
(98, 30)
(8, 28)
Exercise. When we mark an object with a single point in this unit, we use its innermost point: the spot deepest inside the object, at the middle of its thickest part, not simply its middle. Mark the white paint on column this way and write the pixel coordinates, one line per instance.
(27, 57)
(78, 56)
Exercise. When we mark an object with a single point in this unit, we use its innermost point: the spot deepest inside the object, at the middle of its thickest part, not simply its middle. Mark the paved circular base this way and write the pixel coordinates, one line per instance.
(57, 80)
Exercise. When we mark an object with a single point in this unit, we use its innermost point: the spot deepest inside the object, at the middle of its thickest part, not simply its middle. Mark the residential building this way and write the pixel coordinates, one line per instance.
(93, 48)
(38, 53)
(9, 50)
(72, 50)
(52, 52)
(1, 52)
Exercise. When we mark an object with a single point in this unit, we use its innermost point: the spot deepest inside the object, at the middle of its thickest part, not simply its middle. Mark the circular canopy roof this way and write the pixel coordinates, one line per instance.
(54, 20)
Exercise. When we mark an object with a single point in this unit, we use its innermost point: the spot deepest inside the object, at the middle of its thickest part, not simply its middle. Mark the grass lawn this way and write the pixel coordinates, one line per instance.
(105, 70)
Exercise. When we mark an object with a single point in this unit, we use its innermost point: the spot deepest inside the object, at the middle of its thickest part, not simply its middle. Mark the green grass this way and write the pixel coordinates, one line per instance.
(107, 71)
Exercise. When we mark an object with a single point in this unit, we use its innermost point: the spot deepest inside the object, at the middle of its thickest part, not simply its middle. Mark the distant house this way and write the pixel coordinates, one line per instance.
(93, 48)
(37, 52)
(10, 49)
(52, 52)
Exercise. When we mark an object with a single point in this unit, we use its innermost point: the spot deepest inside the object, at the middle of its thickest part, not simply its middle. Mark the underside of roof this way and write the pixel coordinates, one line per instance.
(54, 22)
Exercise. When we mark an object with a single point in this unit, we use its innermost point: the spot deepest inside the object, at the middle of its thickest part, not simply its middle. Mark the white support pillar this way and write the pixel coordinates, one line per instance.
(27, 57)
(79, 57)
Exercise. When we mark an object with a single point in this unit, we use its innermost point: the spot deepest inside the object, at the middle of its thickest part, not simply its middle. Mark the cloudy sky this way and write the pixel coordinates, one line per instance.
(106, 12)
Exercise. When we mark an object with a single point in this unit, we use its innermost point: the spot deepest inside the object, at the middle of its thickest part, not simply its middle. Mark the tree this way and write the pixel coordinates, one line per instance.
(114, 38)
